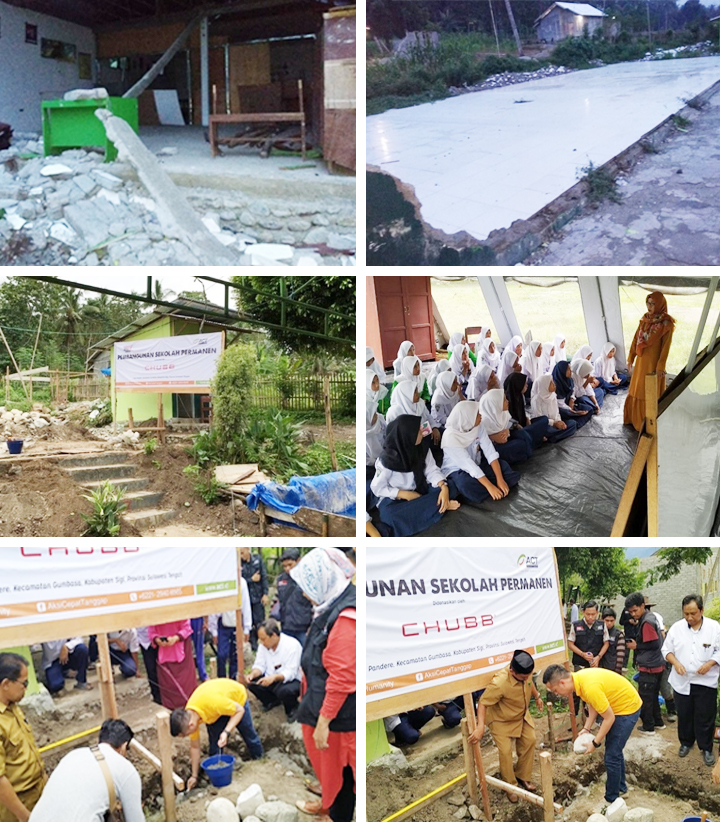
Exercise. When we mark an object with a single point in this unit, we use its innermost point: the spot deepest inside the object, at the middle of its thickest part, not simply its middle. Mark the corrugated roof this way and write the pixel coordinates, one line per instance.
(187, 308)
(581, 9)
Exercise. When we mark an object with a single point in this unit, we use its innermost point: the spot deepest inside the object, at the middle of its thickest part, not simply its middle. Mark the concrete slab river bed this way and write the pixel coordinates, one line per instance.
(479, 161)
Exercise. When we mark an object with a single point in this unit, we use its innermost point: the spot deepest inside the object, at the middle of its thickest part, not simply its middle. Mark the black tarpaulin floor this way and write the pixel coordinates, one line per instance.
(569, 489)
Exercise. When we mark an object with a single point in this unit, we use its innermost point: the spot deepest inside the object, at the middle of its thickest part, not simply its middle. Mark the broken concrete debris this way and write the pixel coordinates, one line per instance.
(72, 209)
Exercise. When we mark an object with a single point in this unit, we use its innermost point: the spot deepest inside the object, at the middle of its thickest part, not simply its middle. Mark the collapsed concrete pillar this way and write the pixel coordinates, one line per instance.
(175, 214)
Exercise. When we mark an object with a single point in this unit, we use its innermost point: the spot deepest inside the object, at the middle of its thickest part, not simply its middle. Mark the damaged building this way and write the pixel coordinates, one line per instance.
(233, 122)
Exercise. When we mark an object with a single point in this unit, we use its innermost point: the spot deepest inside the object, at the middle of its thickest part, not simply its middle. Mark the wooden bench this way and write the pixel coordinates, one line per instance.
(261, 117)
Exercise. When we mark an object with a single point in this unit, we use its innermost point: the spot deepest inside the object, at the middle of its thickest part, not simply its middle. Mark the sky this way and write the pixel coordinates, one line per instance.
(641, 551)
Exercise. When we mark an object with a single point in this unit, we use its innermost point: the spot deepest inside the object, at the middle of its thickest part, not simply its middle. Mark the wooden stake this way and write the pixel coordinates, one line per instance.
(162, 720)
(469, 764)
(157, 764)
(573, 719)
(551, 725)
(547, 786)
(328, 422)
(7, 385)
(105, 676)
(161, 420)
(17, 370)
(239, 627)
(212, 667)
(477, 755)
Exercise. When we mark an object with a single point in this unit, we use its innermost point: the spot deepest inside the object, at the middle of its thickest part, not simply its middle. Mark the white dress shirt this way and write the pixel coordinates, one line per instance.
(440, 411)
(692, 649)
(285, 659)
(468, 459)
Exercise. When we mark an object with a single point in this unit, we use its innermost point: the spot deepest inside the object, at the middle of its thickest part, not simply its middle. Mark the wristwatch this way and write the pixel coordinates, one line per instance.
(596, 744)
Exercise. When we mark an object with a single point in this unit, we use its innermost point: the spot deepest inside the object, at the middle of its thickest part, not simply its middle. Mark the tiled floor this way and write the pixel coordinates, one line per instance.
(482, 160)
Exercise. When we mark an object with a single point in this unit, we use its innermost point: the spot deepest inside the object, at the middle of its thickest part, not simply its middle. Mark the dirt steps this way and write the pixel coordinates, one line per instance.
(144, 507)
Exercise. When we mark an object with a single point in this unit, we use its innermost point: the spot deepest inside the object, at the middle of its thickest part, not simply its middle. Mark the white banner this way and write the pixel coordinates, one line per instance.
(168, 363)
(438, 615)
(44, 585)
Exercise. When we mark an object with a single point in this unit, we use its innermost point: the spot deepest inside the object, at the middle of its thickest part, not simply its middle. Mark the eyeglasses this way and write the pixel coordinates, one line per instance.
(23, 682)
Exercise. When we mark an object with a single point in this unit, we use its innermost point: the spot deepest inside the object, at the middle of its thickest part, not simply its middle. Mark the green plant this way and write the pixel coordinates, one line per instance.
(149, 446)
(601, 184)
(156, 464)
(681, 123)
(208, 488)
(648, 147)
(103, 416)
(107, 507)
(231, 389)
(207, 448)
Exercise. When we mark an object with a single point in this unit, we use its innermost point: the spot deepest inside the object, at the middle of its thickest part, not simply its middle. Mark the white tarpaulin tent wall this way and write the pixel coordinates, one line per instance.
(441, 621)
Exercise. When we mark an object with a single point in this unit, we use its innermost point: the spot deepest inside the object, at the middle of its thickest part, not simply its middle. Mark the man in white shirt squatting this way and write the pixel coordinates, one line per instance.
(275, 677)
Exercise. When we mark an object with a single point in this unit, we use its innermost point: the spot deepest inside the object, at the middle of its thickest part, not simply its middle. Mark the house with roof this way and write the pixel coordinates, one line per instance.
(563, 20)
(188, 316)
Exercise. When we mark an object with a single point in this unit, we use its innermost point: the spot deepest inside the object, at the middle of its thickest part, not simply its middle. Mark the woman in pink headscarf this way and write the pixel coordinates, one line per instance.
(175, 663)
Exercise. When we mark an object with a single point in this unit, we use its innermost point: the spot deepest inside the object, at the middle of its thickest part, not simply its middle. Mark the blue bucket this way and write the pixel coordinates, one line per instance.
(694, 819)
(219, 769)
(15, 446)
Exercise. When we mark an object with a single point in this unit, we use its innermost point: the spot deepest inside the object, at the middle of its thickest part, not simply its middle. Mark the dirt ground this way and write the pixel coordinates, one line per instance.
(669, 213)
(657, 779)
(281, 773)
(38, 500)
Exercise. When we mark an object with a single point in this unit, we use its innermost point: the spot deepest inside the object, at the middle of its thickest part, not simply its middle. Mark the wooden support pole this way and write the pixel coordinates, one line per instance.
(162, 720)
(547, 786)
(469, 764)
(212, 667)
(161, 419)
(551, 725)
(573, 719)
(328, 423)
(17, 370)
(637, 469)
(477, 755)
(239, 627)
(155, 762)
(131, 421)
(107, 683)
(651, 414)
(533, 798)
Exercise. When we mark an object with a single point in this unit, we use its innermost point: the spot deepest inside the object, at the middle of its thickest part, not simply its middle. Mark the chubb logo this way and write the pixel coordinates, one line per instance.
(530, 562)
(42, 607)
(418, 677)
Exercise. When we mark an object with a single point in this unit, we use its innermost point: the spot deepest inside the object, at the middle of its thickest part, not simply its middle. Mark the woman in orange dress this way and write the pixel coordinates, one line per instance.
(649, 351)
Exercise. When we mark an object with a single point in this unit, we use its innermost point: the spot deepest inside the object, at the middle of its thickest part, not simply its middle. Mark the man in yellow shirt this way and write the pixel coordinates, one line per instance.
(22, 773)
(616, 701)
(505, 707)
(222, 705)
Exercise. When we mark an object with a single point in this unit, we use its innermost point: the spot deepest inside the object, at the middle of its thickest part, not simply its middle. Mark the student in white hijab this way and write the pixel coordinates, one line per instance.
(406, 400)
(458, 338)
(407, 349)
(606, 373)
(547, 358)
(544, 403)
(489, 354)
(410, 369)
(510, 440)
(516, 345)
(560, 350)
(509, 364)
(439, 367)
(531, 362)
(585, 395)
(460, 364)
(374, 437)
(374, 389)
(470, 458)
(583, 353)
(373, 364)
(445, 397)
(481, 380)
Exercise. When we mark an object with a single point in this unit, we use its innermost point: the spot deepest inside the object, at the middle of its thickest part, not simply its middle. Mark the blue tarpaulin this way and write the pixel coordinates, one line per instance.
(332, 493)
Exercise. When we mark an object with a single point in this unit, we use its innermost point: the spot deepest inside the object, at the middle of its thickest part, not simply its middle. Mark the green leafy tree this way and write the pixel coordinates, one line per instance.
(231, 391)
(259, 298)
(673, 559)
(602, 573)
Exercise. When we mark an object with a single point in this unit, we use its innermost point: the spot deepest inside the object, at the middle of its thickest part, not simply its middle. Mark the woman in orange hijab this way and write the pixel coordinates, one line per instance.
(649, 352)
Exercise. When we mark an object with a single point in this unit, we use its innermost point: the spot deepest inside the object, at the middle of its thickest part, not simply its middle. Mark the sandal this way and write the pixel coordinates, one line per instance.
(313, 786)
(529, 786)
(311, 808)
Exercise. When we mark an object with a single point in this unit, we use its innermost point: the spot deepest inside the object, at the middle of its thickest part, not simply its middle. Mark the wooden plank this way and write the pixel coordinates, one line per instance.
(632, 483)
(469, 764)
(546, 782)
(249, 65)
(105, 677)
(477, 754)
(162, 720)
(232, 474)
(533, 798)
(154, 761)
(551, 724)
(318, 521)
(651, 414)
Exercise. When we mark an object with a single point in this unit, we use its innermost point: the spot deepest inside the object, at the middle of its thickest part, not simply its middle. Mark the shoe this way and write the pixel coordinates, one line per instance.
(708, 758)
(528, 786)
(83, 686)
(671, 718)
(513, 797)
(266, 708)
(311, 808)
(659, 727)
(647, 731)
(291, 717)
(684, 751)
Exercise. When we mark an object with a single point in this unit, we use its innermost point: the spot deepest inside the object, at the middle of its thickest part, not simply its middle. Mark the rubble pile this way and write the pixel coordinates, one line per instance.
(73, 209)
(510, 78)
(706, 47)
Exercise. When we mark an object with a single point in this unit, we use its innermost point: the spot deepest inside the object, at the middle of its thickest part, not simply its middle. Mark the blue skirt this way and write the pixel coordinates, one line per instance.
(408, 517)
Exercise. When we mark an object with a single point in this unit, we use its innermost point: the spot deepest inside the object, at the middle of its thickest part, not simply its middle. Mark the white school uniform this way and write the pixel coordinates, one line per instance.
(443, 399)
(604, 365)
(580, 370)
(376, 367)
(284, 659)
(530, 362)
(401, 402)
(507, 364)
(387, 483)
(463, 441)
(560, 353)
(405, 346)
(544, 403)
(493, 360)
(441, 366)
(374, 433)
(494, 419)
(478, 382)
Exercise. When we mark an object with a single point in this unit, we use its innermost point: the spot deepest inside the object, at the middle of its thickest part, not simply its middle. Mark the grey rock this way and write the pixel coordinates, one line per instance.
(88, 220)
(639, 815)
(27, 209)
(347, 221)
(271, 223)
(248, 219)
(107, 180)
(341, 242)
(475, 812)
(456, 799)
(222, 810)
(91, 259)
(258, 208)
(320, 219)
(227, 216)
(281, 212)
(86, 184)
(276, 812)
(286, 239)
(298, 224)
(317, 236)
(461, 813)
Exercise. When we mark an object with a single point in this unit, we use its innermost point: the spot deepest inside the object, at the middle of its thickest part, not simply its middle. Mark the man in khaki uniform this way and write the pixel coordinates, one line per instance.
(505, 707)
(22, 773)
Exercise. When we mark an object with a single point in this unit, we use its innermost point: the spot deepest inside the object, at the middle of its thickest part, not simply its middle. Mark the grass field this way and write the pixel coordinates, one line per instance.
(558, 310)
